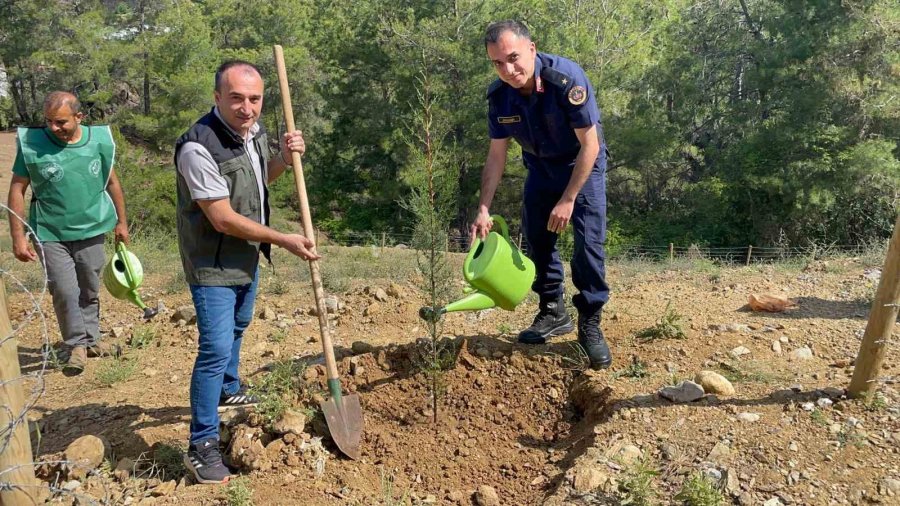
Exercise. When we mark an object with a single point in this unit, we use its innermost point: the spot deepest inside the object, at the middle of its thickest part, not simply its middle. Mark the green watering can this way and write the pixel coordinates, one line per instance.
(123, 275)
(497, 272)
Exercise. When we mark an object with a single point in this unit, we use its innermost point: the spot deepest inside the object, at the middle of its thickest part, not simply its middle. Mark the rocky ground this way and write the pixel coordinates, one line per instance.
(767, 423)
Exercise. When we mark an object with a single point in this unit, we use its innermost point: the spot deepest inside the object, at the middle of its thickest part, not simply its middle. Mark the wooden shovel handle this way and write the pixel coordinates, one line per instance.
(308, 231)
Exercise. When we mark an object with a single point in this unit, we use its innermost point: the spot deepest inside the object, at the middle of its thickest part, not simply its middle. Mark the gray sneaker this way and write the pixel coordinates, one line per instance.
(205, 462)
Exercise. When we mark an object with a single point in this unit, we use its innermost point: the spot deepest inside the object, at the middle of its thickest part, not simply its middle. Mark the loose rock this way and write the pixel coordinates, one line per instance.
(686, 391)
(292, 421)
(85, 454)
(714, 383)
(739, 352)
(487, 496)
(186, 313)
(803, 353)
(267, 313)
(748, 417)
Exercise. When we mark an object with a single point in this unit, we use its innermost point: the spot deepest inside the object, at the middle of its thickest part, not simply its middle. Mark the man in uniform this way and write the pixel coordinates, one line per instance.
(223, 167)
(76, 200)
(547, 105)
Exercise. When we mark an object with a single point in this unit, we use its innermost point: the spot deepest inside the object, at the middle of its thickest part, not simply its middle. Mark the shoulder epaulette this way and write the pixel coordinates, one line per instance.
(561, 79)
(494, 87)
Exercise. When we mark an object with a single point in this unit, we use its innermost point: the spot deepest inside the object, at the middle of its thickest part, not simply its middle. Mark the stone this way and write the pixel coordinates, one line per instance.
(84, 455)
(773, 502)
(776, 347)
(748, 417)
(186, 313)
(267, 313)
(714, 383)
(394, 290)
(629, 454)
(361, 348)
(165, 488)
(824, 402)
(803, 353)
(807, 406)
(117, 332)
(686, 391)
(150, 372)
(587, 478)
(739, 352)
(486, 496)
(332, 304)
(123, 469)
(290, 422)
(380, 295)
(889, 486)
(372, 309)
(719, 453)
(71, 485)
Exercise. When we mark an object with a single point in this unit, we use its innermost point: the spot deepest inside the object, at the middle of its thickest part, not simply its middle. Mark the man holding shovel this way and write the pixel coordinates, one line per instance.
(547, 105)
(76, 199)
(223, 167)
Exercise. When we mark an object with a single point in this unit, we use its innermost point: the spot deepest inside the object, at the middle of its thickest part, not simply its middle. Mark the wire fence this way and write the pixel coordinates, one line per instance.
(732, 255)
(33, 386)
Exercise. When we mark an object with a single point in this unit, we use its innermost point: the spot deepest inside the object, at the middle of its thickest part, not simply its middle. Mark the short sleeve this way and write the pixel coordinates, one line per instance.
(580, 104)
(495, 129)
(201, 173)
(19, 168)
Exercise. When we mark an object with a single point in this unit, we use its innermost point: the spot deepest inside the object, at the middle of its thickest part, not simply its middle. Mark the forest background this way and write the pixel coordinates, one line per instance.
(730, 122)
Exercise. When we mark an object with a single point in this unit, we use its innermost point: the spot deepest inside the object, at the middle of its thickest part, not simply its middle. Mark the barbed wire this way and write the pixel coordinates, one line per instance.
(459, 243)
(36, 379)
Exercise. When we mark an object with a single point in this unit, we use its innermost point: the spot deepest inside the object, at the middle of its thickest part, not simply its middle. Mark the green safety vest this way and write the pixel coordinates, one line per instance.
(68, 182)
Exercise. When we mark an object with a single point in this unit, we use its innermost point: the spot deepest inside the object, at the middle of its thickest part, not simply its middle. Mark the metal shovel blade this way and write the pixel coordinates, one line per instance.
(345, 422)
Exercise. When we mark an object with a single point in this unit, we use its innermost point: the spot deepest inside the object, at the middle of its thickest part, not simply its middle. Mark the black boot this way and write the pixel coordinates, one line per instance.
(590, 337)
(551, 320)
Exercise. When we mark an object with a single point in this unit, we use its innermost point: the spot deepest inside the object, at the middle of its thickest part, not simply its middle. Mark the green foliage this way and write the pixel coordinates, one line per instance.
(636, 488)
(726, 126)
(115, 370)
(142, 337)
(636, 369)
(167, 461)
(819, 418)
(668, 327)
(238, 492)
(276, 390)
(699, 490)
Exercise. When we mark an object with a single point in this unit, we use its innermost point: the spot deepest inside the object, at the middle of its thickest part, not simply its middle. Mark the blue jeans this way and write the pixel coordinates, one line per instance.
(223, 314)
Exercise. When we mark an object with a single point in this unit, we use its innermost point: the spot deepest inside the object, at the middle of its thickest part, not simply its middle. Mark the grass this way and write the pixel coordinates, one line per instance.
(115, 370)
(142, 337)
(876, 402)
(699, 490)
(668, 327)
(387, 492)
(167, 462)
(636, 369)
(636, 488)
(238, 492)
(849, 436)
(278, 335)
(277, 285)
(504, 329)
(819, 418)
(275, 388)
(750, 372)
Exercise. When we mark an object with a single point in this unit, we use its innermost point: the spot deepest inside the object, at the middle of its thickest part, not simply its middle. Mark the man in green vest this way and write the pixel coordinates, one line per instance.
(76, 200)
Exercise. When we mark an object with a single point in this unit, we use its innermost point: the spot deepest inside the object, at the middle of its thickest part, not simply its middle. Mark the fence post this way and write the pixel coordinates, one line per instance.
(881, 322)
(15, 454)
(749, 252)
(671, 252)
(383, 240)
(519, 242)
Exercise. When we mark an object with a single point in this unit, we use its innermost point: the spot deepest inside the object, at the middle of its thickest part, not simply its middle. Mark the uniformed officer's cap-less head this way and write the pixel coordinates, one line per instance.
(62, 112)
(239, 94)
(512, 53)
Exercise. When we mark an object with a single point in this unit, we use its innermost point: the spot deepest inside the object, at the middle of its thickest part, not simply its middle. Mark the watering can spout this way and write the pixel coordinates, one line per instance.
(475, 301)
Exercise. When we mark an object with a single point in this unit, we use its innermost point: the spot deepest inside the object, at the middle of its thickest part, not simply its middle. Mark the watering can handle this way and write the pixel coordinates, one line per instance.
(123, 255)
(504, 231)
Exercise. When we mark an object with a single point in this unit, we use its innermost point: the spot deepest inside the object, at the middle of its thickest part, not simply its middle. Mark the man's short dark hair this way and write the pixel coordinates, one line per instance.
(231, 64)
(496, 29)
(55, 100)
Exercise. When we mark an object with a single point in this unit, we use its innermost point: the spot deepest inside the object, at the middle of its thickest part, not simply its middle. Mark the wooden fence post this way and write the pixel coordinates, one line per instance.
(671, 252)
(15, 459)
(383, 239)
(749, 252)
(881, 322)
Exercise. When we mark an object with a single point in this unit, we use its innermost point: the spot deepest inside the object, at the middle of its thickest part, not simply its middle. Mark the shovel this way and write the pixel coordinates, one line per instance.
(343, 413)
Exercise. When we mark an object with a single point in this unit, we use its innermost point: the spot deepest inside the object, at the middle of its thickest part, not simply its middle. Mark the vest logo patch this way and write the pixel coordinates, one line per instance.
(52, 172)
(94, 167)
(577, 95)
(505, 120)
